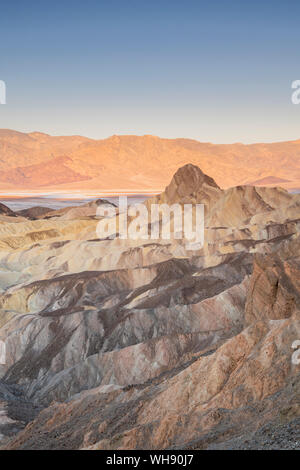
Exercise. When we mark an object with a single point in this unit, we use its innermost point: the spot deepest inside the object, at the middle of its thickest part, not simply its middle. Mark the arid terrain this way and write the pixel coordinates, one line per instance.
(37, 161)
(143, 344)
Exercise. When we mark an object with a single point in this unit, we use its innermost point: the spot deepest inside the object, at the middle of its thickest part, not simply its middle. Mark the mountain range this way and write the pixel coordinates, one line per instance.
(40, 162)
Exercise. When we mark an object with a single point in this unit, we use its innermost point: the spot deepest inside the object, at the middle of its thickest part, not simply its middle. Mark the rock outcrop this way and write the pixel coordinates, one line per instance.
(4, 210)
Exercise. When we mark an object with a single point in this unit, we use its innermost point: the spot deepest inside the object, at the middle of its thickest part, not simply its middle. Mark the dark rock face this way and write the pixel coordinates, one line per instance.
(4, 210)
(143, 345)
(189, 179)
(34, 212)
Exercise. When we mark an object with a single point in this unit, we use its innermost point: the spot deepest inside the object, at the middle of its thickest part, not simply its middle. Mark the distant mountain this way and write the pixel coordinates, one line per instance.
(269, 180)
(40, 161)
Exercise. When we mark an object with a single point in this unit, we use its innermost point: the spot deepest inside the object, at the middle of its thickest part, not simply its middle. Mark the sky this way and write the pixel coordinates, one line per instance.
(218, 71)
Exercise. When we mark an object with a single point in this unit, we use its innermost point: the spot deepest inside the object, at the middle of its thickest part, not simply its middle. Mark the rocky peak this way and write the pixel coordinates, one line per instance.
(192, 177)
(190, 185)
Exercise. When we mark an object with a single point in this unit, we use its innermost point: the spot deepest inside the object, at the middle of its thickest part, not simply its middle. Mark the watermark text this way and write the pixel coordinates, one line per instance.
(296, 93)
(296, 354)
(153, 221)
(2, 353)
(2, 92)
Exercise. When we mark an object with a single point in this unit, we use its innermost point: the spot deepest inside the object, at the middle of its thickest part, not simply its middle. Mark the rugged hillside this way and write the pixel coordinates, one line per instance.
(39, 161)
(135, 344)
(4, 210)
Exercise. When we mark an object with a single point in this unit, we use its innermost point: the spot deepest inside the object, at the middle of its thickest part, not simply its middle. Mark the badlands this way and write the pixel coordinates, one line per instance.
(142, 344)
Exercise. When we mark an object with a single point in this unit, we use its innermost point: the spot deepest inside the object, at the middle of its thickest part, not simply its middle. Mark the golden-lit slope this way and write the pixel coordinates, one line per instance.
(36, 160)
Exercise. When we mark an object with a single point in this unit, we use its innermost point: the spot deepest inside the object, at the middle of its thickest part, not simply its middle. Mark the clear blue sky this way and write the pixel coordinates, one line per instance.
(215, 71)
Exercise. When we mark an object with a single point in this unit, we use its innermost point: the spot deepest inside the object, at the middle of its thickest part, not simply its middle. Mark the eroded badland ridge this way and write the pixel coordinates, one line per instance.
(133, 344)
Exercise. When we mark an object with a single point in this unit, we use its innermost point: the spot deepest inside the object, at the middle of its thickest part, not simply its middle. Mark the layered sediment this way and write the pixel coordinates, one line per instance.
(143, 344)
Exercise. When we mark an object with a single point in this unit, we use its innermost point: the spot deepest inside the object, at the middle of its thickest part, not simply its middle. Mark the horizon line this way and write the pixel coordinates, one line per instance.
(148, 135)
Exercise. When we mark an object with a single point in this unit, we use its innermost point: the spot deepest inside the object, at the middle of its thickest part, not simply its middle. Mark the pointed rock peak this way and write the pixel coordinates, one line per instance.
(193, 177)
(190, 184)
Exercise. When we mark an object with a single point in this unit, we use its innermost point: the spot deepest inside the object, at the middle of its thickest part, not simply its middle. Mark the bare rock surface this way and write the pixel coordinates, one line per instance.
(142, 344)
(4, 210)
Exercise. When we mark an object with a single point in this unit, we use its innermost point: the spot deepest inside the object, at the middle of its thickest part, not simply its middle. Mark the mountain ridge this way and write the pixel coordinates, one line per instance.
(147, 162)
